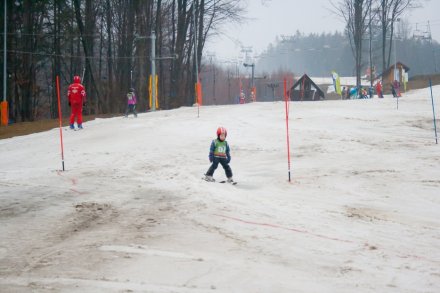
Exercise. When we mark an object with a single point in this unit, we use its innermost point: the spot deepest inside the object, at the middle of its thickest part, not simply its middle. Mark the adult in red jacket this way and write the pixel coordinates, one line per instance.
(77, 99)
(379, 89)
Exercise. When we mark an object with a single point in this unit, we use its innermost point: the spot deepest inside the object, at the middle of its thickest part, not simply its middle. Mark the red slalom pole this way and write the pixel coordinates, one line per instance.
(287, 126)
(60, 119)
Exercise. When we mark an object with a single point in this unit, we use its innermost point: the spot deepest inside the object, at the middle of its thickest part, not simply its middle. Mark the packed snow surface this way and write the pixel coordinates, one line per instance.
(131, 213)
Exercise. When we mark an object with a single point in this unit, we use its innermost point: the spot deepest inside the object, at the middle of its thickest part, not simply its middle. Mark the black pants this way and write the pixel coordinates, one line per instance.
(225, 165)
(131, 108)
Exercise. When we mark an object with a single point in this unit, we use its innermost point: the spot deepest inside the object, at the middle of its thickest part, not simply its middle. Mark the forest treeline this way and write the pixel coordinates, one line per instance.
(319, 54)
(108, 44)
(376, 35)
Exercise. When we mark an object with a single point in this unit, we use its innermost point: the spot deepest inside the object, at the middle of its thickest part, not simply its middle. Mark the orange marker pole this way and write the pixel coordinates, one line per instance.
(60, 119)
(4, 113)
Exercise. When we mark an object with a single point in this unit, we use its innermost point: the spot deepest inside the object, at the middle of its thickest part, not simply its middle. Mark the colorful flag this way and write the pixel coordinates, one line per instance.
(337, 83)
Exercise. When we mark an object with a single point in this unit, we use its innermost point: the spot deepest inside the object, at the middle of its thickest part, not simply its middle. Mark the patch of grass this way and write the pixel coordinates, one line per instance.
(24, 128)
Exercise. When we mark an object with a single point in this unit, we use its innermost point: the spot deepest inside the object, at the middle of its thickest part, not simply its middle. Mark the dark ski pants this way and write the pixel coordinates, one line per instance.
(225, 165)
(131, 108)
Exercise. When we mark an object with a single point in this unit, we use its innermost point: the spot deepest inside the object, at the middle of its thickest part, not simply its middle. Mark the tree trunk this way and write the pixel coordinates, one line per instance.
(181, 33)
(109, 57)
(86, 38)
(28, 63)
(55, 59)
(384, 23)
(358, 40)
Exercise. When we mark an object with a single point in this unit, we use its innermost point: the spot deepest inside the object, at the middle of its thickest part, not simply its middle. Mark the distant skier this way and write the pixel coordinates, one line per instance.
(76, 95)
(242, 99)
(131, 103)
(353, 93)
(393, 90)
(219, 152)
(364, 93)
(379, 89)
(396, 86)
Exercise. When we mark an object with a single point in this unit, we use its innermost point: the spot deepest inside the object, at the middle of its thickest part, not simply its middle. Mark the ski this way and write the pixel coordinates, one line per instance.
(233, 182)
(74, 128)
(223, 181)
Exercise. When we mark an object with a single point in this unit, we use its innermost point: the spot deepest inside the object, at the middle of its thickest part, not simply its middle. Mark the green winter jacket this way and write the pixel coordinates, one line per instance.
(219, 149)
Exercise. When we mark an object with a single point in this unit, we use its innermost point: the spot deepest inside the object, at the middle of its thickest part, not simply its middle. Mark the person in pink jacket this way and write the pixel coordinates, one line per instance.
(131, 103)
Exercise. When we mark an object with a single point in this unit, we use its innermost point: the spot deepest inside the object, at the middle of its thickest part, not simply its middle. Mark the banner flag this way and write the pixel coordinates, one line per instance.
(337, 82)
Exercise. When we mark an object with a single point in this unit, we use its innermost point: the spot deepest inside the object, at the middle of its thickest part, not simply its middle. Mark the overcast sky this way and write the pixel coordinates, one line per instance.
(271, 18)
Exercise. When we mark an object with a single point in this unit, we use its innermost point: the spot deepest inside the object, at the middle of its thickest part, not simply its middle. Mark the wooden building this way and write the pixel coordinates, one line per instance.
(306, 90)
(388, 76)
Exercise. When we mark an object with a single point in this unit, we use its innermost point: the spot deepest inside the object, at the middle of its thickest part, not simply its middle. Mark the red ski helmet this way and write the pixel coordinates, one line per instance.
(222, 130)
(76, 79)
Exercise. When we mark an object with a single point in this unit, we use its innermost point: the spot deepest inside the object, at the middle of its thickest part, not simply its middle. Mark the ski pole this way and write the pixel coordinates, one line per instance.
(83, 74)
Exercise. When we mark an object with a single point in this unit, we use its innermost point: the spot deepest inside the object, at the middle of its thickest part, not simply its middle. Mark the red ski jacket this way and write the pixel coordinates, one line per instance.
(76, 94)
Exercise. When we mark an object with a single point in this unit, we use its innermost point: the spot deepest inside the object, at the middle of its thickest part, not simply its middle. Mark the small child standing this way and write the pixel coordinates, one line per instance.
(131, 103)
(219, 152)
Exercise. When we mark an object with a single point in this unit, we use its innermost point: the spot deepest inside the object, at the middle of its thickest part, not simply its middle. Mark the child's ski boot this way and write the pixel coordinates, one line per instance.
(209, 178)
(230, 181)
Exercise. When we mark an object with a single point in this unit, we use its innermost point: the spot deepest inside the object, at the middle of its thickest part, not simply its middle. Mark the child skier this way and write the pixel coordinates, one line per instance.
(131, 103)
(219, 152)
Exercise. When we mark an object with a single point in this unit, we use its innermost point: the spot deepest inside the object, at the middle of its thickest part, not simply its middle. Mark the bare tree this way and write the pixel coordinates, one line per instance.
(212, 14)
(49, 38)
(356, 14)
(389, 12)
(87, 37)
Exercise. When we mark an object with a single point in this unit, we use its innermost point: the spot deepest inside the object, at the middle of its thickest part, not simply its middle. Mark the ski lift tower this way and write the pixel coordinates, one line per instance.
(153, 59)
(396, 72)
(247, 63)
(246, 51)
(427, 36)
(253, 94)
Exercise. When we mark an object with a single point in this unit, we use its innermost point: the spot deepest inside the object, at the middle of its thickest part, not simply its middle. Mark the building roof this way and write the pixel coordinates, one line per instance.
(308, 79)
(399, 64)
